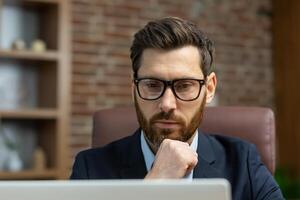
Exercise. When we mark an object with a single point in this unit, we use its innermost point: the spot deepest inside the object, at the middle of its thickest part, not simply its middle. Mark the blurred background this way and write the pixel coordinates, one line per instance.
(61, 60)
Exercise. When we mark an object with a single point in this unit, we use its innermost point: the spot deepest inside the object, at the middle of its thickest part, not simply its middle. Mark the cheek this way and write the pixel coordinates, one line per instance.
(148, 108)
(189, 109)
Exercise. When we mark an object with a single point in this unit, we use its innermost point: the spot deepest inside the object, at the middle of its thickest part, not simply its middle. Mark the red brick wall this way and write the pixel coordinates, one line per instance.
(102, 34)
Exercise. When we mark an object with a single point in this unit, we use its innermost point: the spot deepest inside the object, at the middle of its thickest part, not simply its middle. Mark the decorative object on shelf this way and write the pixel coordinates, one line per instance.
(3, 153)
(18, 85)
(38, 46)
(17, 22)
(10, 158)
(18, 141)
(39, 159)
(10, 73)
(18, 44)
(14, 162)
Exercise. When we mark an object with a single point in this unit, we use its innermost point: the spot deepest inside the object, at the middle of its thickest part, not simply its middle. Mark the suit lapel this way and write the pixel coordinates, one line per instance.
(132, 159)
(206, 159)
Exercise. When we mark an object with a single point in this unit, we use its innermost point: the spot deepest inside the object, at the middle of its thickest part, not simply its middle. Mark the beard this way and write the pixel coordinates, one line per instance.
(155, 136)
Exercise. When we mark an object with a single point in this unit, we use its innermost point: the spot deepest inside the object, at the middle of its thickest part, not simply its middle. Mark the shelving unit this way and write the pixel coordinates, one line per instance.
(49, 114)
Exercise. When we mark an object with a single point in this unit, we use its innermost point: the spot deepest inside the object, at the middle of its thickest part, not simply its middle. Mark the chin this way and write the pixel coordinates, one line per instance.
(172, 137)
(171, 134)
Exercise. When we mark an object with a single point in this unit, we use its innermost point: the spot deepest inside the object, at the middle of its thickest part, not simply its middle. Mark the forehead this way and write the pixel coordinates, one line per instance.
(183, 62)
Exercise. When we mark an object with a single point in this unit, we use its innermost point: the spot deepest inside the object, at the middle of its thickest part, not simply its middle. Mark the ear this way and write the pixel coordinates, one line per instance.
(211, 84)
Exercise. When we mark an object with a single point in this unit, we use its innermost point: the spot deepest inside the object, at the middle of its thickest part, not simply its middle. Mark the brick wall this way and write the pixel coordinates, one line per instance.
(102, 34)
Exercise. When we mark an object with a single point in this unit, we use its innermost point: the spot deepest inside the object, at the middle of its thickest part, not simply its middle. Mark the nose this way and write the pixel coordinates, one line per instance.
(168, 101)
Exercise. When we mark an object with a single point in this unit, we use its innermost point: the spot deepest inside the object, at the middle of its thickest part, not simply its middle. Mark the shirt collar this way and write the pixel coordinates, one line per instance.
(150, 157)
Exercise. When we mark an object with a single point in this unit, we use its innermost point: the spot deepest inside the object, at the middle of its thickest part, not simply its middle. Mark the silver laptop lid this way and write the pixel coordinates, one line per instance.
(210, 189)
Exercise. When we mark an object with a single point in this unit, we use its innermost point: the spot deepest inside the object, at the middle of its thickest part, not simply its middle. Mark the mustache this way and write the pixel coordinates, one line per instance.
(166, 116)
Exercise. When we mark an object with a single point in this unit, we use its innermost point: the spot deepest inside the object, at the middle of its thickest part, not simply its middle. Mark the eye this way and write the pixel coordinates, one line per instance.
(152, 85)
(184, 85)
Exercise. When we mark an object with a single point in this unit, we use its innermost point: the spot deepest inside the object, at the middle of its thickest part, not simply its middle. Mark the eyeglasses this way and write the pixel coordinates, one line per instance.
(183, 89)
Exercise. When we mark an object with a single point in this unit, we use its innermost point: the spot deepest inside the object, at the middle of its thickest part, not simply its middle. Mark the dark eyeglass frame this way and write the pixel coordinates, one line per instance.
(169, 83)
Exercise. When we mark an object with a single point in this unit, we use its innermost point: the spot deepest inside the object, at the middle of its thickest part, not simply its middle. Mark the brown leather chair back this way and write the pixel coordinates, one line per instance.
(254, 124)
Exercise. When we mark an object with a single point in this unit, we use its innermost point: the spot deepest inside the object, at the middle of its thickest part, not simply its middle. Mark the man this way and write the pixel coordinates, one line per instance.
(173, 80)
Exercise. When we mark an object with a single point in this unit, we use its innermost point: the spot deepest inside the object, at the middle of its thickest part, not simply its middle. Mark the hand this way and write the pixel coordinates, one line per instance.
(174, 159)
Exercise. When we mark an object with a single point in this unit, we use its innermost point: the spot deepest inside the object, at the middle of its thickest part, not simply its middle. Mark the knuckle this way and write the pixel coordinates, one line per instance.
(165, 143)
(195, 160)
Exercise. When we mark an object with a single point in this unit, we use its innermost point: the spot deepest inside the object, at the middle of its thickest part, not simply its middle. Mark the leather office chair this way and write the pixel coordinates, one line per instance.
(256, 125)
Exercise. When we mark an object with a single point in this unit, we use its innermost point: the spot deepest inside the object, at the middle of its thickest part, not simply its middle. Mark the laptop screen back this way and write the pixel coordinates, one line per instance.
(210, 189)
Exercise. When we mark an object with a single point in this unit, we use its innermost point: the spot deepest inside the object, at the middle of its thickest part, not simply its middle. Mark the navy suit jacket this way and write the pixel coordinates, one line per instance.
(219, 157)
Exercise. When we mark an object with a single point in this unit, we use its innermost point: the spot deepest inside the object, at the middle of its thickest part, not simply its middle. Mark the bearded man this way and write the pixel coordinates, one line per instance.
(173, 80)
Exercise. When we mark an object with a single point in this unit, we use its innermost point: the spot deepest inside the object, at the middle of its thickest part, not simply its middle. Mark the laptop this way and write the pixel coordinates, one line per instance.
(206, 189)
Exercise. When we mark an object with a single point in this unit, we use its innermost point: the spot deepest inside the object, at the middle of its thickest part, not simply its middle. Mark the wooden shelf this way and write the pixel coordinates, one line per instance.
(29, 55)
(29, 114)
(28, 174)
